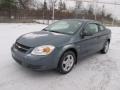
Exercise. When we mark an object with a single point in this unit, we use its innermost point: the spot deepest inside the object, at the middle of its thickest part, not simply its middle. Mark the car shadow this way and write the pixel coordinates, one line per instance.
(36, 73)
(88, 57)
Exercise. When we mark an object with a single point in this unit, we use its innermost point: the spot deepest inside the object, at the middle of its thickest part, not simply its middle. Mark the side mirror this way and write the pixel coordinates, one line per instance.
(86, 34)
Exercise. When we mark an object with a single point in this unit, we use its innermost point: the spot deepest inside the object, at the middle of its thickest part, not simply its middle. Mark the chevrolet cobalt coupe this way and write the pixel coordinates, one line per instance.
(61, 44)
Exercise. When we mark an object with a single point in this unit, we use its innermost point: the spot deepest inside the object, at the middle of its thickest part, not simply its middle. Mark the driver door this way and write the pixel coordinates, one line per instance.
(88, 41)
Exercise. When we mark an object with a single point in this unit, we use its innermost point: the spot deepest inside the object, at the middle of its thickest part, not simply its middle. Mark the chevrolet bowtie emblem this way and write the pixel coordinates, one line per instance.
(19, 47)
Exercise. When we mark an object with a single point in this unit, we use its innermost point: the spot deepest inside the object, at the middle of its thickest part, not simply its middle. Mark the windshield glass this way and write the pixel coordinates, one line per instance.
(64, 26)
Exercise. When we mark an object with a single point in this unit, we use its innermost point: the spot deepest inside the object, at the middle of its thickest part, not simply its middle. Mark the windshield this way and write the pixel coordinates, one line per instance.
(64, 26)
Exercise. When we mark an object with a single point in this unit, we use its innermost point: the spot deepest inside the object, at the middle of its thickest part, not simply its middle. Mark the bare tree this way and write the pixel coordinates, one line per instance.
(24, 3)
(78, 8)
(52, 3)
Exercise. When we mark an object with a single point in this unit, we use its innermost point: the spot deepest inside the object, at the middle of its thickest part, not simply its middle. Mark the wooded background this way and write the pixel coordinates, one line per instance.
(27, 10)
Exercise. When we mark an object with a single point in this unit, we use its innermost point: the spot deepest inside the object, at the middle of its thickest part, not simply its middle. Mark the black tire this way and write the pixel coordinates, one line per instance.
(61, 66)
(105, 48)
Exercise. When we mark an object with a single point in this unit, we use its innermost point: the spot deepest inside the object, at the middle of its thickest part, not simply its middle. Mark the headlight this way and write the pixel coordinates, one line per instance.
(43, 50)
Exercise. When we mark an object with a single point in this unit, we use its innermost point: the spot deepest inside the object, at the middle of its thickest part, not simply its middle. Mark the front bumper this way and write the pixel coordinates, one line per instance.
(35, 62)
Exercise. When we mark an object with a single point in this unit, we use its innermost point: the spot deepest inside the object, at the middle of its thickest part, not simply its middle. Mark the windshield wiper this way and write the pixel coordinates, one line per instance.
(51, 31)
(55, 31)
(45, 29)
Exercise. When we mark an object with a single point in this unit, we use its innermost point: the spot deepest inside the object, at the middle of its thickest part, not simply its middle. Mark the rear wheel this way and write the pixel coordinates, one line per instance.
(67, 62)
(105, 48)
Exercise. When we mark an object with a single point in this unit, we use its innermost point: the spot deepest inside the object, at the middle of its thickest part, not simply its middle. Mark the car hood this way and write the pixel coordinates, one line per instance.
(43, 38)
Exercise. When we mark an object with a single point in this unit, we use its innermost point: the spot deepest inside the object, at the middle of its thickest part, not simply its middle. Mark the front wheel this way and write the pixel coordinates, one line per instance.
(105, 48)
(66, 62)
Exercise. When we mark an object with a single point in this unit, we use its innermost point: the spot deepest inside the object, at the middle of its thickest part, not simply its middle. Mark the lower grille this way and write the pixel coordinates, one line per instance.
(21, 47)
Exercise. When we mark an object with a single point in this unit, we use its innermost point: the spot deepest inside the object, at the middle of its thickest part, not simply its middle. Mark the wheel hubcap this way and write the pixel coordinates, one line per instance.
(68, 62)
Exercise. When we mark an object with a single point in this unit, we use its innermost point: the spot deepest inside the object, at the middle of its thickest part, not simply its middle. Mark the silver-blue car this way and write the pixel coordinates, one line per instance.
(61, 44)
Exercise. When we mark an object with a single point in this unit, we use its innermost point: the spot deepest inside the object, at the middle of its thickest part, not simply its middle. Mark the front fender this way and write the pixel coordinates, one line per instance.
(65, 48)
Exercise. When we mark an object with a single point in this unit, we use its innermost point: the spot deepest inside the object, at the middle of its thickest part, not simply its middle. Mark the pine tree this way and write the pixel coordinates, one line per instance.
(7, 4)
(44, 9)
(62, 5)
(45, 6)
(91, 9)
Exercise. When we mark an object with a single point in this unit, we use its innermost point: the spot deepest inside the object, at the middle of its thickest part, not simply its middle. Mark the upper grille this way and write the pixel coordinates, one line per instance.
(21, 47)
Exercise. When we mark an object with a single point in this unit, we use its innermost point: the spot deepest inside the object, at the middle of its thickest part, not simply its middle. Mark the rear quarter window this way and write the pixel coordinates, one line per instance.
(101, 28)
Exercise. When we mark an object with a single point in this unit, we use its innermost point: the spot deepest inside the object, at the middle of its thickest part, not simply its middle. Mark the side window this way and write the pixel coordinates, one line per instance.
(101, 28)
(91, 28)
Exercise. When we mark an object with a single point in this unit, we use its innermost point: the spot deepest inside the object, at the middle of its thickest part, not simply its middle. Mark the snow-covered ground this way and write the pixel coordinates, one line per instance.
(97, 72)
